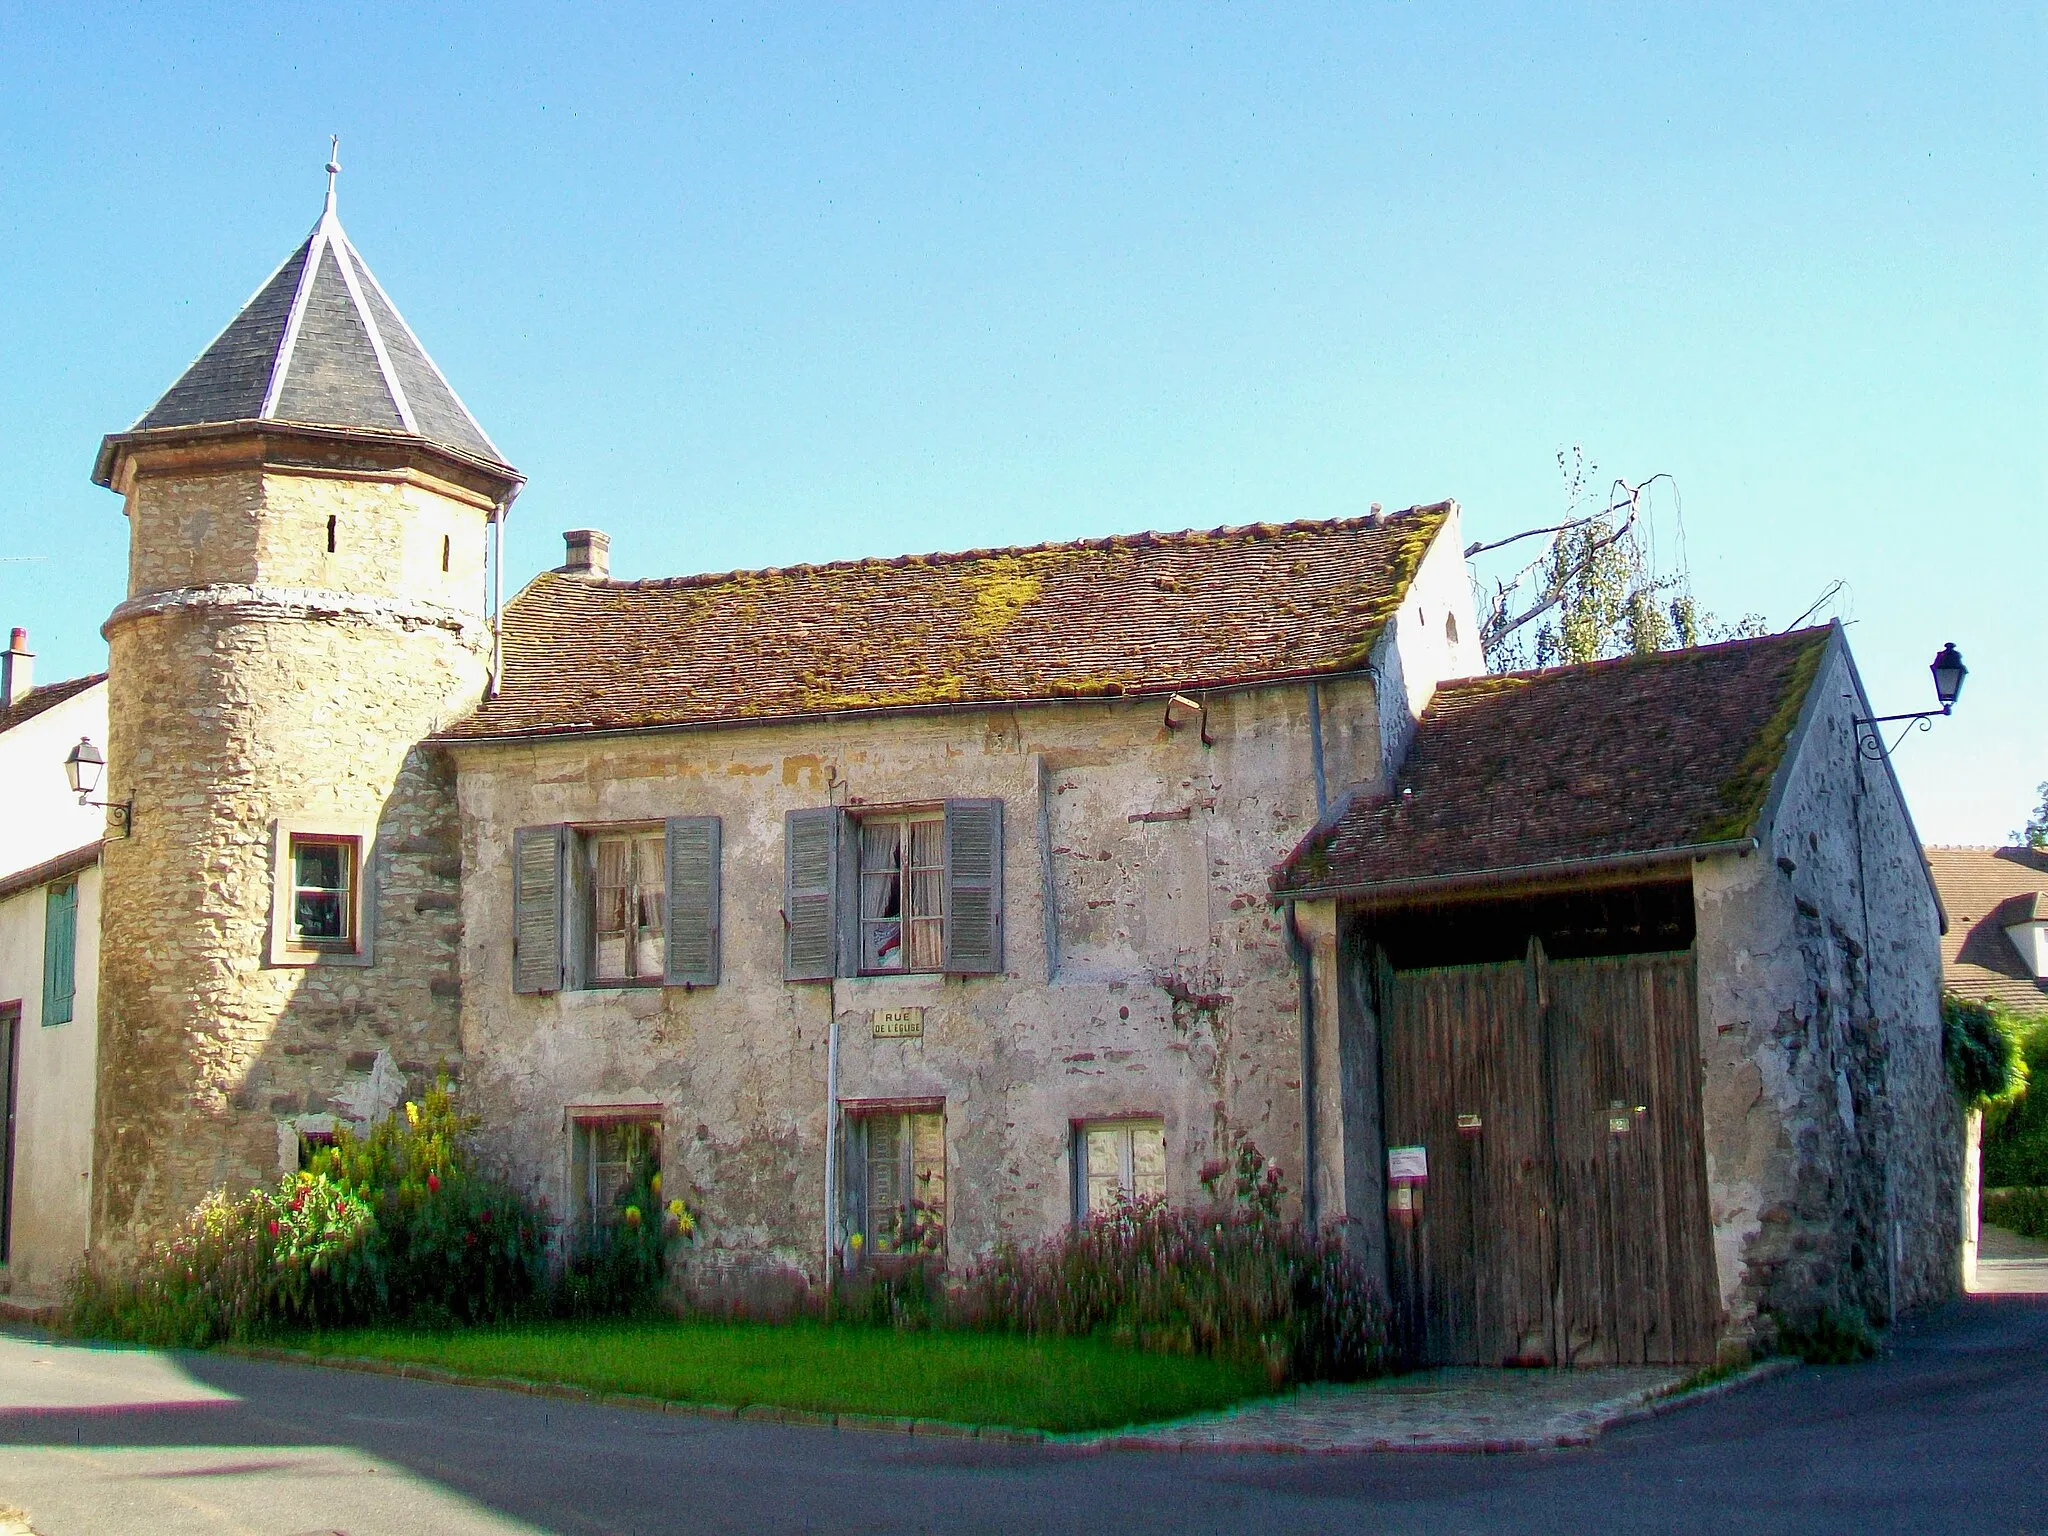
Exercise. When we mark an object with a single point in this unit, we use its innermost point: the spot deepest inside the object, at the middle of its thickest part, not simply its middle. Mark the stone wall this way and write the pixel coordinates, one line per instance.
(1174, 995)
(257, 678)
(1833, 1137)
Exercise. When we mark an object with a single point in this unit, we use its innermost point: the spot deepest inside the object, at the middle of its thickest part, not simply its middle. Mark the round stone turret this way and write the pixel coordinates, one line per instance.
(309, 511)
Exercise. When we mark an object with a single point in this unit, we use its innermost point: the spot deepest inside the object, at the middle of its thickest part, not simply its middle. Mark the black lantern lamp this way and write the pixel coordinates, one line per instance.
(1949, 672)
(82, 770)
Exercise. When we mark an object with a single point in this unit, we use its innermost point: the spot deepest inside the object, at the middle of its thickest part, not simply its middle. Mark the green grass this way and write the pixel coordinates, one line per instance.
(968, 1378)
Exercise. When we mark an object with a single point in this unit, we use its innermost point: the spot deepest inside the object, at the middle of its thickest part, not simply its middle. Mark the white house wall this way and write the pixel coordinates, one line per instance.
(55, 1064)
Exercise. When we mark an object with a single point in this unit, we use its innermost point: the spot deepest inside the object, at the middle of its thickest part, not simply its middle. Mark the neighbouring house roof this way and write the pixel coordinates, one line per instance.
(1986, 890)
(36, 700)
(70, 863)
(1553, 770)
(1147, 613)
(320, 345)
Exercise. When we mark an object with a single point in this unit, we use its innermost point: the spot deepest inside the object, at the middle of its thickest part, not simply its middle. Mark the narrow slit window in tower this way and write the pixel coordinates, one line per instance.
(446, 545)
(330, 534)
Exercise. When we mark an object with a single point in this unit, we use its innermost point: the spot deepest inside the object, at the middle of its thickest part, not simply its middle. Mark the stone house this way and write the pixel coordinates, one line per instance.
(905, 906)
(49, 973)
(1639, 966)
(1995, 950)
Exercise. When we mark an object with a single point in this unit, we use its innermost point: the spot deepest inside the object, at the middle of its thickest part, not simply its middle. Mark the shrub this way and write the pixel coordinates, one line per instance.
(395, 1226)
(1981, 1049)
(450, 1243)
(235, 1265)
(2024, 1211)
(1235, 1281)
(1831, 1336)
(2016, 1129)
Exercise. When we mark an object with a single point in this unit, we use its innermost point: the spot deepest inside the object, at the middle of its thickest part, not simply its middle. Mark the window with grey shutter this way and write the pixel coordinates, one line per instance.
(693, 897)
(60, 952)
(537, 908)
(810, 883)
(974, 886)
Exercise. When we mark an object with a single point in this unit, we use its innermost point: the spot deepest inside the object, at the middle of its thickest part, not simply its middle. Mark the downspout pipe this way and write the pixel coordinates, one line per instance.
(831, 1137)
(1315, 749)
(1304, 961)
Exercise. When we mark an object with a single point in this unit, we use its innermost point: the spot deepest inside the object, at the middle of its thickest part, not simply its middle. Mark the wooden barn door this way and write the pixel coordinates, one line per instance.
(1564, 1219)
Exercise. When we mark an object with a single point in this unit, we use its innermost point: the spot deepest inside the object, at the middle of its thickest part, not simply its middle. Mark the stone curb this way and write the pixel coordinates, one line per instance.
(1652, 1403)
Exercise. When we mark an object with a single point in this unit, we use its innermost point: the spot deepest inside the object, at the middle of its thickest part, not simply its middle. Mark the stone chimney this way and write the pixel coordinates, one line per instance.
(17, 669)
(590, 555)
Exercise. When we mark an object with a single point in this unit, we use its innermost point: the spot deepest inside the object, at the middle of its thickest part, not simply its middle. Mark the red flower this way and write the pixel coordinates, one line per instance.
(434, 1182)
(485, 1218)
(273, 1227)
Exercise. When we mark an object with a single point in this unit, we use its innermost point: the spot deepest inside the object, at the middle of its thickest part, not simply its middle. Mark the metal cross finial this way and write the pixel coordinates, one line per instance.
(333, 166)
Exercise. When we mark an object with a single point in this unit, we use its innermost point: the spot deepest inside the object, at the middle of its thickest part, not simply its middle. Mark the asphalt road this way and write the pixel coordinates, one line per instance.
(1945, 1434)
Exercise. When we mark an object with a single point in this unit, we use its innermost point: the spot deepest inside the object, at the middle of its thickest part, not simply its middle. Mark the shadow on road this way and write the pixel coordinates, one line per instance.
(1921, 1439)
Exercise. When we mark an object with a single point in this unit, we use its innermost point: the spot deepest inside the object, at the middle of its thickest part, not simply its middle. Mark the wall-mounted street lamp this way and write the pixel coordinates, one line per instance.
(83, 769)
(1949, 672)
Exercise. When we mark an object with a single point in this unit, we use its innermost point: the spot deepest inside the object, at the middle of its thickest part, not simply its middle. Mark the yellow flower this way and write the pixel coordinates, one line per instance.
(655, 1185)
(412, 1114)
(632, 1215)
(854, 1240)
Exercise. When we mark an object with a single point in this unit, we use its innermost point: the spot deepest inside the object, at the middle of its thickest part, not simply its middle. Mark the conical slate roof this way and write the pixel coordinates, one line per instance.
(321, 344)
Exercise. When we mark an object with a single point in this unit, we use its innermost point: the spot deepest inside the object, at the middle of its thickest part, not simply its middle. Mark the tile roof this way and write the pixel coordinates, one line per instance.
(1147, 613)
(1984, 890)
(1555, 768)
(36, 700)
(322, 345)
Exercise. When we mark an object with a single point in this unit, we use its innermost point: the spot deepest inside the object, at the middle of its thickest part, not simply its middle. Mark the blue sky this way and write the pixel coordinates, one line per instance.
(755, 287)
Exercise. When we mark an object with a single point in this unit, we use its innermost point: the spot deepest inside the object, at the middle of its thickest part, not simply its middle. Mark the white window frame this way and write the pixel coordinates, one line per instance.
(1124, 1129)
(287, 948)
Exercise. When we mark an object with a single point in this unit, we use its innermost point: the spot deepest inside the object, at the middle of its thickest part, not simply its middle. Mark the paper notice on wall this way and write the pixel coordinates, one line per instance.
(1408, 1162)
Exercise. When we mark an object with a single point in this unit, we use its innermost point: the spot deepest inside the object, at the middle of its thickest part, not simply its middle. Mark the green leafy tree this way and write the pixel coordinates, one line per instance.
(1600, 587)
(2035, 833)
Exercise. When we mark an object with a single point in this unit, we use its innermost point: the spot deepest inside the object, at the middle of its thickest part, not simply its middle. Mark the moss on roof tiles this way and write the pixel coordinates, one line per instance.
(1090, 619)
(1743, 792)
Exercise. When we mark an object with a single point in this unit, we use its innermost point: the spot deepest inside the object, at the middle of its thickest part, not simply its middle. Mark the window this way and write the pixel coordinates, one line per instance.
(60, 951)
(895, 1181)
(888, 891)
(323, 892)
(1118, 1160)
(902, 888)
(615, 1161)
(629, 919)
(323, 909)
(616, 906)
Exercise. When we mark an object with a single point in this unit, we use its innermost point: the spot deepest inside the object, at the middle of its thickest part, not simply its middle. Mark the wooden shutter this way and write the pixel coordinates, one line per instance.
(974, 886)
(537, 857)
(693, 901)
(60, 952)
(810, 881)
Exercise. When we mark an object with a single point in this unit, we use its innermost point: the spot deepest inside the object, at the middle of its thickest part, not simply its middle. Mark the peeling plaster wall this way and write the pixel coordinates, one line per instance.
(1174, 995)
(1833, 1137)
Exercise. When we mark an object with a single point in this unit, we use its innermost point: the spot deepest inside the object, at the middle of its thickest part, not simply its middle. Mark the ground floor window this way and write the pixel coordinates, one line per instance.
(895, 1182)
(1118, 1159)
(615, 1165)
